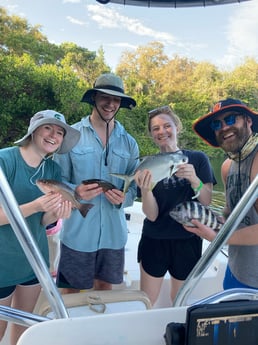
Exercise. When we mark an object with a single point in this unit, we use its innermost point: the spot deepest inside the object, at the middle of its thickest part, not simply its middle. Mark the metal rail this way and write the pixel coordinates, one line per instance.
(20, 317)
(242, 207)
(230, 295)
(34, 256)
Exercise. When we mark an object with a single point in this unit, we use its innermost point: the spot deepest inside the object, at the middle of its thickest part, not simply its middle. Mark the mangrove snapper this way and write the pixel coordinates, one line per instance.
(52, 186)
(186, 211)
(161, 165)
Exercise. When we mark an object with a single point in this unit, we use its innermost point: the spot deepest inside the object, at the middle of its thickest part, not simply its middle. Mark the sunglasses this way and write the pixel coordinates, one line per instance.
(229, 120)
(164, 109)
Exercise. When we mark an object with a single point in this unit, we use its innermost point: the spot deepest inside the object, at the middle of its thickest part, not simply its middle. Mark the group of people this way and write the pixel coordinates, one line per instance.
(92, 248)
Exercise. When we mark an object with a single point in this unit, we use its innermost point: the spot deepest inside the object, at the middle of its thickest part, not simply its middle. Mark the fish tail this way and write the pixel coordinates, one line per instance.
(84, 209)
(127, 178)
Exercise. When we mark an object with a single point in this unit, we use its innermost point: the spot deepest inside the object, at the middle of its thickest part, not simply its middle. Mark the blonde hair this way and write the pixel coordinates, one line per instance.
(166, 109)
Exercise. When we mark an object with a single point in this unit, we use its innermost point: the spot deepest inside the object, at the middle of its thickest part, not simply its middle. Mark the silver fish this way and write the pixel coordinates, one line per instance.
(161, 166)
(52, 186)
(186, 211)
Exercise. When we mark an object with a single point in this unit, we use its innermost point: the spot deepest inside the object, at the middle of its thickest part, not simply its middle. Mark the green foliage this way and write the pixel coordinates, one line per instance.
(36, 75)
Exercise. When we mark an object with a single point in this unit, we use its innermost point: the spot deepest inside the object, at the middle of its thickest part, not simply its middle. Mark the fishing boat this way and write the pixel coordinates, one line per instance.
(123, 315)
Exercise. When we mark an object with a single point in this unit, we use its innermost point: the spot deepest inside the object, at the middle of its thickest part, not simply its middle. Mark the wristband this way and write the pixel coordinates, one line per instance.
(197, 190)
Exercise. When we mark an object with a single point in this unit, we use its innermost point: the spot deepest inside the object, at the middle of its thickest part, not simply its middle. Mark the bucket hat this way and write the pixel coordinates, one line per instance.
(110, 84)
(44, 117)
(202, 125)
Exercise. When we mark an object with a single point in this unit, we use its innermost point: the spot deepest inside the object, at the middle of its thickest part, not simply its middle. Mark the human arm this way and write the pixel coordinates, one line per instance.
(150, 208)
(50, 203)
(188, 172)
(247, 235)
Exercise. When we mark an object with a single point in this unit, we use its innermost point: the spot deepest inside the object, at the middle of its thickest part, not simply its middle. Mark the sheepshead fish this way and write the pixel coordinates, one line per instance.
(161, 165)
(186, 211)
(52, 186)
(106, 185)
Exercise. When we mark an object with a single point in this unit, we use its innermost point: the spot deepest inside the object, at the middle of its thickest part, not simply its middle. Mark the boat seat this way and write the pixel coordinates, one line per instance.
(88, 303)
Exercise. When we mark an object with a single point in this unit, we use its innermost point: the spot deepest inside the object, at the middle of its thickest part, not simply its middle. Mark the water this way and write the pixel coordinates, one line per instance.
(218, 195)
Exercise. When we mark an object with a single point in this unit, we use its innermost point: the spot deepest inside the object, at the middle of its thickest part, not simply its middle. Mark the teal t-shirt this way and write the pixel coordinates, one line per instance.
(14, 266)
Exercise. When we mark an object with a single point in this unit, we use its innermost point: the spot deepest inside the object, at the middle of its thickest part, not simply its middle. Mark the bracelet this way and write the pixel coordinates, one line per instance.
(197, 190)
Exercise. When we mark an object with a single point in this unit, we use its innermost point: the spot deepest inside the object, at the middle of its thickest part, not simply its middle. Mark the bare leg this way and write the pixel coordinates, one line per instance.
(24, 298)
(102, 285)
(3, 324)
(150, 285)
(175, 286)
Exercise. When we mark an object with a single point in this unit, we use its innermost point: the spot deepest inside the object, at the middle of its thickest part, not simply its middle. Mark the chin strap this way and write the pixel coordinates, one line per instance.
(107, 132)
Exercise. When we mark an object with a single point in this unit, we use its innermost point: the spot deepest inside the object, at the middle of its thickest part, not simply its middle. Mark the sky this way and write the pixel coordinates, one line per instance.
(222, 35)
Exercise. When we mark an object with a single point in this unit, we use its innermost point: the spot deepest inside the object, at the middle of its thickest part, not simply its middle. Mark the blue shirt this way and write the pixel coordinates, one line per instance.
(105, 224)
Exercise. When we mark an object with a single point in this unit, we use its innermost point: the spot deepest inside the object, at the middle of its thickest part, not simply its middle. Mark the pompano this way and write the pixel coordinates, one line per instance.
(186, 211)
(161, 165)
(52, 186)
(106, 185)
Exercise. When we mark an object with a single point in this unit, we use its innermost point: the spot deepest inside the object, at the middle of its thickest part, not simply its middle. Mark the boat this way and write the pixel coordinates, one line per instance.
(123, 315)
(170, 3)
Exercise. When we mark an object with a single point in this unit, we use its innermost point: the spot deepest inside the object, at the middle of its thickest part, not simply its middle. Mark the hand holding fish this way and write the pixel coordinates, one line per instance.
(143, 179)
(187, 171)
(61, 211)
(64, 210)
(201, 230)
(202, 191)
(115, 196)
(88, 191)
(47, 202)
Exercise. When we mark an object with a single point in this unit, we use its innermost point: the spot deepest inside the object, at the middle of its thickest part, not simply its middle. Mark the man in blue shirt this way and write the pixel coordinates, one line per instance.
(92, 248)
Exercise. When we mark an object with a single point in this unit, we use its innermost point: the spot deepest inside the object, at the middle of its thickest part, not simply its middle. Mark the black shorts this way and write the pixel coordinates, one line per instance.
(177, 256)
(8, 290)
(79, 269)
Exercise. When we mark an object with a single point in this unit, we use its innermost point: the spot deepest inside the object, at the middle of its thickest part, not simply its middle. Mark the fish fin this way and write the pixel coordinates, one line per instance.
(84, 209)
(127, 178)
(173, 169)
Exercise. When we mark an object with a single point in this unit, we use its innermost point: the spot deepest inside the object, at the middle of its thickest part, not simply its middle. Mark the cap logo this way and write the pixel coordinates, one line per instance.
(217, 107)
(58, 116)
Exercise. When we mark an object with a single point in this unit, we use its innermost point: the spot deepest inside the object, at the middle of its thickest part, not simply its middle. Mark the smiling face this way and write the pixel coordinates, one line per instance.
(107, 105)
(164, 132)
(48, 138)
(232, 137)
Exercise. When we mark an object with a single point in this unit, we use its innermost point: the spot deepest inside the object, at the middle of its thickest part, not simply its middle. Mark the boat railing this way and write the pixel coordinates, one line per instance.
(230, 295)
(20, 317)
(20, 227)
(232, 222)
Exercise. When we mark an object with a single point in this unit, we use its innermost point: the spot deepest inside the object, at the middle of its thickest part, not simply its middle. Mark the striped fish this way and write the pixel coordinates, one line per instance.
(186, 211)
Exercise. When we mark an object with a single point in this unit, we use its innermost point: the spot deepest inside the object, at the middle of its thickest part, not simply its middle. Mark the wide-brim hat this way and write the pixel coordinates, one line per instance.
(109, 84)
(44, 117)
(202, 125)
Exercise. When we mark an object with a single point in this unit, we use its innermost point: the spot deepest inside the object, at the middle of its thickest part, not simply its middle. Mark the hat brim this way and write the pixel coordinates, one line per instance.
(202, 128)
(126, 101)
(71, 137)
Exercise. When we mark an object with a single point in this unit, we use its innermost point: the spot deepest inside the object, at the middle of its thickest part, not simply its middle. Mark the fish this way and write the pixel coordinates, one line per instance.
(106, 185)
(184, 212)
(161, 166)
(53, 186)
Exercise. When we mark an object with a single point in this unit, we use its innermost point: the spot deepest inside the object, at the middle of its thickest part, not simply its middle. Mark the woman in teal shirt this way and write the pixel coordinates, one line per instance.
(23, 165)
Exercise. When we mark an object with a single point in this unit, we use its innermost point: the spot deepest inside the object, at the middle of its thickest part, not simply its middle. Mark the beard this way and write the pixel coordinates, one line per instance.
(241, 136)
